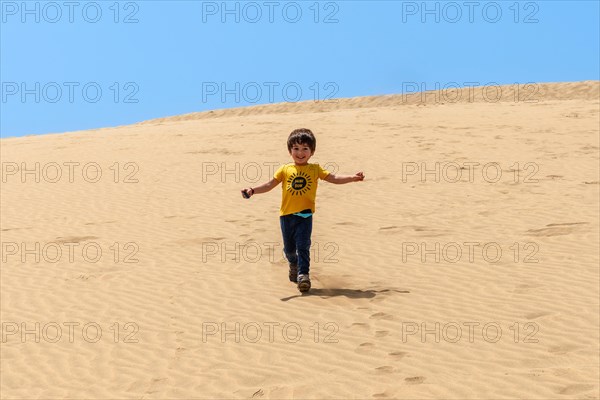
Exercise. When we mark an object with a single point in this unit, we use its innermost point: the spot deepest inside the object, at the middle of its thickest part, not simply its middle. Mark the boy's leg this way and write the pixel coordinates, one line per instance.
(303, 242)
(289, 239)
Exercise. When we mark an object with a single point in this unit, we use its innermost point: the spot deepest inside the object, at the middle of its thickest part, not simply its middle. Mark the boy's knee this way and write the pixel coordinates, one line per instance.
(303, 245)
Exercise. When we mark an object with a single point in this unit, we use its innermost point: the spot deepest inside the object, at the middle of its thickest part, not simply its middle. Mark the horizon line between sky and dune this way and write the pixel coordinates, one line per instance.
(445, 94)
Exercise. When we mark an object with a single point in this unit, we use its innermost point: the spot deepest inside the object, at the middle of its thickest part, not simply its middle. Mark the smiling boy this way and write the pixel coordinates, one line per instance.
(299, 192)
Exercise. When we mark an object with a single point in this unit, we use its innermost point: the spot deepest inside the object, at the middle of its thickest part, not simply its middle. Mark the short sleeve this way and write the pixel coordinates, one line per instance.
(323, 173)
(279, 173)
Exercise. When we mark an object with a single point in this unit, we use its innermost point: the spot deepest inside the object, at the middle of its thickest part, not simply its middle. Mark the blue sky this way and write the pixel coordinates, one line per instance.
(81, 65)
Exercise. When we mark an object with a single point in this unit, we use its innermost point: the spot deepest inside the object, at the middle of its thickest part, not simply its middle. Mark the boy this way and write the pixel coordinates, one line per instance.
(299, 192)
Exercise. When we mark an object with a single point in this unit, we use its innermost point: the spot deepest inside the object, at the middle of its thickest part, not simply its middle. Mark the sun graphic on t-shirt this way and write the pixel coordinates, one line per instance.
(299, 183)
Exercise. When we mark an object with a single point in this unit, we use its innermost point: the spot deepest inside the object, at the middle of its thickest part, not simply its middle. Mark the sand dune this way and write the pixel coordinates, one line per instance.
(464, 266)
(448, 94)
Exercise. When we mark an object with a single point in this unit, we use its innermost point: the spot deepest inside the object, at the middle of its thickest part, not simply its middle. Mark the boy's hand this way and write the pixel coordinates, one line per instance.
(358, 177)
(247, 193)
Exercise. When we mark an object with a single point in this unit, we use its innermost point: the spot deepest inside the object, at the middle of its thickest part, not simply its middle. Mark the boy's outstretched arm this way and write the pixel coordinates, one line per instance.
(340, 179)
(264, 188)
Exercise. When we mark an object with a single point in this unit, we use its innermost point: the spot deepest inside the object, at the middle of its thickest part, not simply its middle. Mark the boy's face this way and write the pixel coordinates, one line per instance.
(301, 153)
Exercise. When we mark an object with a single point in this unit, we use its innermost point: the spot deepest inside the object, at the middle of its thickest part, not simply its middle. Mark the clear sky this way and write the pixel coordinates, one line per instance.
(74, 65)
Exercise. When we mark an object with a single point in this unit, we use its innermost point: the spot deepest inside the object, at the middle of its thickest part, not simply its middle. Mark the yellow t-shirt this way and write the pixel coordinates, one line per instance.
(299, 186)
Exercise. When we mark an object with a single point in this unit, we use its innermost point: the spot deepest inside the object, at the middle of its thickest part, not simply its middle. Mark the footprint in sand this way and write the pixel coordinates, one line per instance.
(364, 348)
(398, 355)
(381, 333)
(381, 315)
(361, 325)
(414, 380)
(385, 369)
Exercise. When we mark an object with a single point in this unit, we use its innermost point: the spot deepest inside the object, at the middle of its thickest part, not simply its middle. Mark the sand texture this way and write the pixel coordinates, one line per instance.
(464, 266)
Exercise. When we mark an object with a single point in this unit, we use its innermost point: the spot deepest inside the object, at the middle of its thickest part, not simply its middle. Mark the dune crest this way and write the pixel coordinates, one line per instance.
(532, 92)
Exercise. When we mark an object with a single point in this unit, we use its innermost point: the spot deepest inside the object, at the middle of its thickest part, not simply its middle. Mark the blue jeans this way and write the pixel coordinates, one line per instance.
(296, 233)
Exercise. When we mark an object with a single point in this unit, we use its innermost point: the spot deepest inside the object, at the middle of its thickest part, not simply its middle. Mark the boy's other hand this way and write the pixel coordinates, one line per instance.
(358, 177)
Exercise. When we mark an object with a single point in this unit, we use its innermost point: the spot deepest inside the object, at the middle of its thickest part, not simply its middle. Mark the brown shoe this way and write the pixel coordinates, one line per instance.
(303, 283)
(293, 273)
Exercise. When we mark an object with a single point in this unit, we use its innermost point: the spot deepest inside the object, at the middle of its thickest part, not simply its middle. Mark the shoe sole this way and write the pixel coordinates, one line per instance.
(304, 286)
(294, 274)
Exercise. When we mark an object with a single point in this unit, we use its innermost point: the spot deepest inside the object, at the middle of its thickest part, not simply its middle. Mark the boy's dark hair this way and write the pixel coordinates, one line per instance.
(302, 136)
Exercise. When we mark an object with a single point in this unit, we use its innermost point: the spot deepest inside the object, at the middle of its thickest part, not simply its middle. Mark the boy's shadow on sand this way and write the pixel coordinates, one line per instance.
(350, 293)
